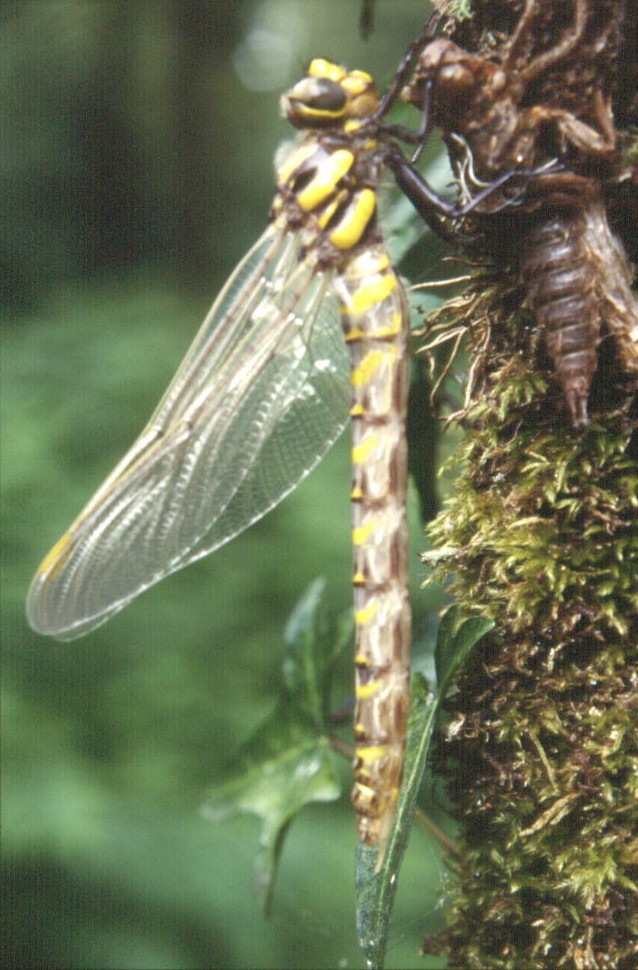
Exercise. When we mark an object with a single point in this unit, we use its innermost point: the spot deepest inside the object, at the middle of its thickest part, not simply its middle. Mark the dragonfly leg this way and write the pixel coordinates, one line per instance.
(437, 211)
(423, 38)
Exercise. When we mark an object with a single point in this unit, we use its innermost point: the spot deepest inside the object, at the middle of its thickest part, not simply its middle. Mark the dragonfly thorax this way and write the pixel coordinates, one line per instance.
(326, 194)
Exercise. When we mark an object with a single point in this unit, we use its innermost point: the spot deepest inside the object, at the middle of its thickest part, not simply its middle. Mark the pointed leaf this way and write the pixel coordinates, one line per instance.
(376, 890)
(287, 762)
(456, 639)
(423, 431)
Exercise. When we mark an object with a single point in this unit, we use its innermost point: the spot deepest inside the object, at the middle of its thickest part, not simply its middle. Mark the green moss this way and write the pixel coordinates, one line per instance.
(541, 535)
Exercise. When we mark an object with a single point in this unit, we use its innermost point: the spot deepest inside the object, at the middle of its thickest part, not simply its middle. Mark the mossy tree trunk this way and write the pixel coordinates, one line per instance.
(540, 750)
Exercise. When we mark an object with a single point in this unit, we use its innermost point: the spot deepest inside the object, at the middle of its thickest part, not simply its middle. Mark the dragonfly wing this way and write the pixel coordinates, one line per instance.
(259, 398)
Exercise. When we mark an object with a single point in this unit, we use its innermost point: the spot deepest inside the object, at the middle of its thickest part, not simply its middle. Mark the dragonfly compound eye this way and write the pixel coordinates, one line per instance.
(315, 102)
(330, 96)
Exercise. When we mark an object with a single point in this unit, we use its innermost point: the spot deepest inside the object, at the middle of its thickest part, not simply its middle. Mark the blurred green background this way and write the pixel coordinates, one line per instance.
(138, 139)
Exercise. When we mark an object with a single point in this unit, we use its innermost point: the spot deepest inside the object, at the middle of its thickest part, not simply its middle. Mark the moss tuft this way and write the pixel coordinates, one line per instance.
(541, 749)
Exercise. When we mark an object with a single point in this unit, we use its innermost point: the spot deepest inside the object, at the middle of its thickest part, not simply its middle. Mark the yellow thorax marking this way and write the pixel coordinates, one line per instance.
(352, 227)
(353, 125)
(294, 161)
(326, 178)
(331, 208)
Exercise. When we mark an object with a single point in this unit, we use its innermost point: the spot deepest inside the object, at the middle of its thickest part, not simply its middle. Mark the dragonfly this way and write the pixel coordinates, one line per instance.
(265, 389)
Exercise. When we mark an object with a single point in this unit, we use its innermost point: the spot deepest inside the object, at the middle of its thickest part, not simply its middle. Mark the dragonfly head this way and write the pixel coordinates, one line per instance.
(329, 96)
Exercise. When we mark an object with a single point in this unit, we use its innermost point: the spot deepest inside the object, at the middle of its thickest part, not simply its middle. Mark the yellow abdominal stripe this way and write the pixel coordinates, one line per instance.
(360, 534)
(370, 364)
(371, 753)
(382, 334)
(391, 331)
(365, 691)
(365, 615)
(369, 294)
(361, 452)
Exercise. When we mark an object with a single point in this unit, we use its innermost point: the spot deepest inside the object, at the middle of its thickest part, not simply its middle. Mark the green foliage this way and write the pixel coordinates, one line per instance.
(287, 762)
(459, 9)
(377, 885)
(115, 195)
(539, 530)
(457, 637)
(110, 743)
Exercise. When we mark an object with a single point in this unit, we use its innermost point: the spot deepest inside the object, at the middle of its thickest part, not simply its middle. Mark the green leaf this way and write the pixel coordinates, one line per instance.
(459, 9)
(376, 889)
(287, 762)
(423, 432)
(456, 639)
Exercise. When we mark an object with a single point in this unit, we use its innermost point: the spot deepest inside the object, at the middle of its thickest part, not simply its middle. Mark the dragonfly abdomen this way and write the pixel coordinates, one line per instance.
(374, 317)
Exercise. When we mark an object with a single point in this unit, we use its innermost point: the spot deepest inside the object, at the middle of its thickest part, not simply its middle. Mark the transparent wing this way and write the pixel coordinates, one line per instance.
(259, 398)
